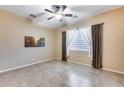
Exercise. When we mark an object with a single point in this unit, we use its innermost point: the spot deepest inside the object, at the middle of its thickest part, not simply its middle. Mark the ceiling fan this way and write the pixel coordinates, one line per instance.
(57, 13)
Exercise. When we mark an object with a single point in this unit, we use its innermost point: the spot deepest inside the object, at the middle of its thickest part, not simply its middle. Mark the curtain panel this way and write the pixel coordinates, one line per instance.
(97, 31)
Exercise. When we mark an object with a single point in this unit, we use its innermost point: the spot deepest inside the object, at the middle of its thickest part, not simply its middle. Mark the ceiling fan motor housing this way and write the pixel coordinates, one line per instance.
(58, 7)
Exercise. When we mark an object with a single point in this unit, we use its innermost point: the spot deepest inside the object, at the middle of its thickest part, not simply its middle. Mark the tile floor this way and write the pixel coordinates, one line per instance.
(60, 74)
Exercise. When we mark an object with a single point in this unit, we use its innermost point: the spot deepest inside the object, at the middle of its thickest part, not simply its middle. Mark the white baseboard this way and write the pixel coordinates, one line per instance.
(57, 59)
(14, 68)
(79, 63)
(111, 70)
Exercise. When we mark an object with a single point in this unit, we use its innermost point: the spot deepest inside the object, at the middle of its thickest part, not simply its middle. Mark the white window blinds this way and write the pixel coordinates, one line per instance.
(78, 42)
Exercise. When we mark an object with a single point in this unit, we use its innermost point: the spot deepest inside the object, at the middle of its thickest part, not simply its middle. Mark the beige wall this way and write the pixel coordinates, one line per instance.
(12, 51)
(79, 57)
(113, 39)
(13, 29)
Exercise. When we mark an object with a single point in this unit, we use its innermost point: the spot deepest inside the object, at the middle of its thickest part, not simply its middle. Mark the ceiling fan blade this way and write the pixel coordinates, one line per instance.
(64, 7)
(50, 18)
(40, 14)
(68, 15)
(36, 15)
(56, 8)
(32, 15)
(49, 11)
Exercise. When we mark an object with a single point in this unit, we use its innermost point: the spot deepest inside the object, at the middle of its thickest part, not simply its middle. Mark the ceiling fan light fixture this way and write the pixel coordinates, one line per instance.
(58, 16)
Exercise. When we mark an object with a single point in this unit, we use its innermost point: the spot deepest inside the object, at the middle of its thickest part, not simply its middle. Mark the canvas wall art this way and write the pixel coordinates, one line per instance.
(31, 41)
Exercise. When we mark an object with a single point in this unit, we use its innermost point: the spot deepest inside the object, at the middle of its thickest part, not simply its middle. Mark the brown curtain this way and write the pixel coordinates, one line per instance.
(97, 45)
(64, 58)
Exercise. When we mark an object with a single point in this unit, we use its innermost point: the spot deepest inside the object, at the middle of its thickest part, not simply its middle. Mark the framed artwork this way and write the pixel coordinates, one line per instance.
(31, 41)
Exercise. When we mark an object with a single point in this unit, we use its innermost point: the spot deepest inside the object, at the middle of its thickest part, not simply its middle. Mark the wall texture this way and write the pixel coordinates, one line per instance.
(113, 39)
(13, 28)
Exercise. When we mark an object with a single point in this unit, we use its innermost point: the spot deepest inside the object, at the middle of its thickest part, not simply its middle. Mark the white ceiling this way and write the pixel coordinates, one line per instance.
(83, 12)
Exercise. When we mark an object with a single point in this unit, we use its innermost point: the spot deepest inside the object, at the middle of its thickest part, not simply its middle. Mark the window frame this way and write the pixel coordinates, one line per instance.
(80, 50)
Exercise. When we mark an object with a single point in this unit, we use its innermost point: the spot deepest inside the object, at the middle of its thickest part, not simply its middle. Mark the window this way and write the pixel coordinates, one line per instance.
(78, 41)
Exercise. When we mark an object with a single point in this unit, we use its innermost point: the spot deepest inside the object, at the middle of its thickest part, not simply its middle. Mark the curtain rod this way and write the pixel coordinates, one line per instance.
(98, 24)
